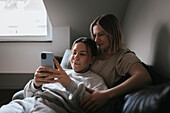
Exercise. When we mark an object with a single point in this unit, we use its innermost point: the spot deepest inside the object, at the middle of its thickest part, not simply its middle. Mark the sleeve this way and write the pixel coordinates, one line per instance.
(100, 86)
(125, 61)
(98, 83)
(77, 92)
(29, 89)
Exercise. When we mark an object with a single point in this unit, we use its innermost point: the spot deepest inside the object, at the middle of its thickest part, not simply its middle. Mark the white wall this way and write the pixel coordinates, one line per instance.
(146, 29)
(19, 61)
(24, 57)
(78, 14)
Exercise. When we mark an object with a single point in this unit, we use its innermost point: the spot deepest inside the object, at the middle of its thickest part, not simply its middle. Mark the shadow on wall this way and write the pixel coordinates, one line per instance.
(161, 62)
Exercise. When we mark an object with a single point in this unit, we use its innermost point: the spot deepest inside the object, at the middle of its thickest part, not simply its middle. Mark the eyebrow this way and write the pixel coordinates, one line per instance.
(101, 32)
(82, 51)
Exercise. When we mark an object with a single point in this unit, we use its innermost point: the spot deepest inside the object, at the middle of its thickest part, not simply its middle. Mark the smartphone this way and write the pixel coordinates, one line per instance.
(47, 59)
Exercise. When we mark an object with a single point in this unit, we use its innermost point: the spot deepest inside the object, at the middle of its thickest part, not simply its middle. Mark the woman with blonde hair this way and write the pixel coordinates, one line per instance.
(113, 64)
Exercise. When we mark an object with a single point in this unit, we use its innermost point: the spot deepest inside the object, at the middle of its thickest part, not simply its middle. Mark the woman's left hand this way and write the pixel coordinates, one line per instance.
(94, 101)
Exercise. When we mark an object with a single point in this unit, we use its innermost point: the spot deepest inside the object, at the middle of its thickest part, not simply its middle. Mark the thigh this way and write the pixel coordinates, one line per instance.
(46, 106)
(17, 106)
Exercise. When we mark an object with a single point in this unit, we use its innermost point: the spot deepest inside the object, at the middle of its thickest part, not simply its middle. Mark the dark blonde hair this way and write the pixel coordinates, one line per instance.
(111, 26)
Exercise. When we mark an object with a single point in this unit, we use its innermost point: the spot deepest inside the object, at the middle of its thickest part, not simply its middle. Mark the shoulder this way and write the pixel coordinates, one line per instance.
(95, 81)
(93, 75)
(125, 61)
(127, 56)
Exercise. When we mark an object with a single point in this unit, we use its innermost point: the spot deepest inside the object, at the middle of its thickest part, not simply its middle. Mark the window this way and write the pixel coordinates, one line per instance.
(23, 20)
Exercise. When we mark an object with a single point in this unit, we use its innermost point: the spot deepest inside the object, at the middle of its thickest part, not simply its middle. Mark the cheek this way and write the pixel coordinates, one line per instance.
(87, 61)
(71, 58)
(107, 41)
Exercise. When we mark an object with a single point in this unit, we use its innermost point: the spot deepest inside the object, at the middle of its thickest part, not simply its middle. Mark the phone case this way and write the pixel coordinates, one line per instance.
(47, 59)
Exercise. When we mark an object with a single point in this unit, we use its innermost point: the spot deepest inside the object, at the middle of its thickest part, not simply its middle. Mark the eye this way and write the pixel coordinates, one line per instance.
(100, 34)
(82, 54)
(74, 53)
(94, 35)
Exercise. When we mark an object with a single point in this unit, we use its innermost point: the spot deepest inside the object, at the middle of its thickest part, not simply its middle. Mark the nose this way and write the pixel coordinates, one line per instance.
(77, 57)
(96, 39)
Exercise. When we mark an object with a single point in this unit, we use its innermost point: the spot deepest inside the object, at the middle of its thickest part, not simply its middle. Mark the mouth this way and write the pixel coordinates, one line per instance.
(99, 44)
(75, 63)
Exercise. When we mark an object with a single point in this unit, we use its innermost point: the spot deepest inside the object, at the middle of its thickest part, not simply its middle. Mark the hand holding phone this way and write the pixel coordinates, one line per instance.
(47, 60)
(43, 76)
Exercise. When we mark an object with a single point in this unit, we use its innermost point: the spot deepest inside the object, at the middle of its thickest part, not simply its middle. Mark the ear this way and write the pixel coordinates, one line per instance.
(92, 59)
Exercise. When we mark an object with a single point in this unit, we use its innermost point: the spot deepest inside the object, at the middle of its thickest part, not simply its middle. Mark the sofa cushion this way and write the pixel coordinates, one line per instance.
(18, 95)
(157, 78)
(65, 63)
(154, 99)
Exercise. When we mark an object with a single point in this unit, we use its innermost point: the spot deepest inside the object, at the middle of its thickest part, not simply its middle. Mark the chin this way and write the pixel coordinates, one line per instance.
(100, 48)
(76, 70)
(79, 71)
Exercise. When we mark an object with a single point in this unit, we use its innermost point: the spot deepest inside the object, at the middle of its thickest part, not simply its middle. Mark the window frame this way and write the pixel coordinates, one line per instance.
(29, 38)
(47, 38)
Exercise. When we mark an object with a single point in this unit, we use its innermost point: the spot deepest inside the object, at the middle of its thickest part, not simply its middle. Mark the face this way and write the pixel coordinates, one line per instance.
(101, 38)
(81, 58)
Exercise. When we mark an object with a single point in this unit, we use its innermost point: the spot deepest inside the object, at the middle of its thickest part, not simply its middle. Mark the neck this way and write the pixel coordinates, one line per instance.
(104, 55)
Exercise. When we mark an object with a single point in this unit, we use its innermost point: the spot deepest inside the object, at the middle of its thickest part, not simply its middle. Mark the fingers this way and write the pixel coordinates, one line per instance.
(89, 90)
(39, 74)
(89, 105)
(46, 70)
(58, 65)
(84, 102)
(92, 108)
(39, 79)
(49, 69)
(55, 76)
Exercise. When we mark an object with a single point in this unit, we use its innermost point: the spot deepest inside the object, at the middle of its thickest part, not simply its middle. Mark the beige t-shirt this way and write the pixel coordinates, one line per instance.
(117, 66)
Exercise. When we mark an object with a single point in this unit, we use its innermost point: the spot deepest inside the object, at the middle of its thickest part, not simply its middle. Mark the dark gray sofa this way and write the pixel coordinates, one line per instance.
(151, 99)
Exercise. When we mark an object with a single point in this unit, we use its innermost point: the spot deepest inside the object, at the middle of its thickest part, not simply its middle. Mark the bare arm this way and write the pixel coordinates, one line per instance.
(139, 78)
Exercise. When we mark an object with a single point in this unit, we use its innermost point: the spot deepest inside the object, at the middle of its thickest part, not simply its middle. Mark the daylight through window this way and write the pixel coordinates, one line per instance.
(23, 18)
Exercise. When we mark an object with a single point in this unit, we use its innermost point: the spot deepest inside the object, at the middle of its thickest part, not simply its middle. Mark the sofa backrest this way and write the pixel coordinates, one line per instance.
(65, 63)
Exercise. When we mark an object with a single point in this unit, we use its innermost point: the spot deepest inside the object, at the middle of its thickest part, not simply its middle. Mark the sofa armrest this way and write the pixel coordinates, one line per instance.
(18, 95)
(154, 99)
